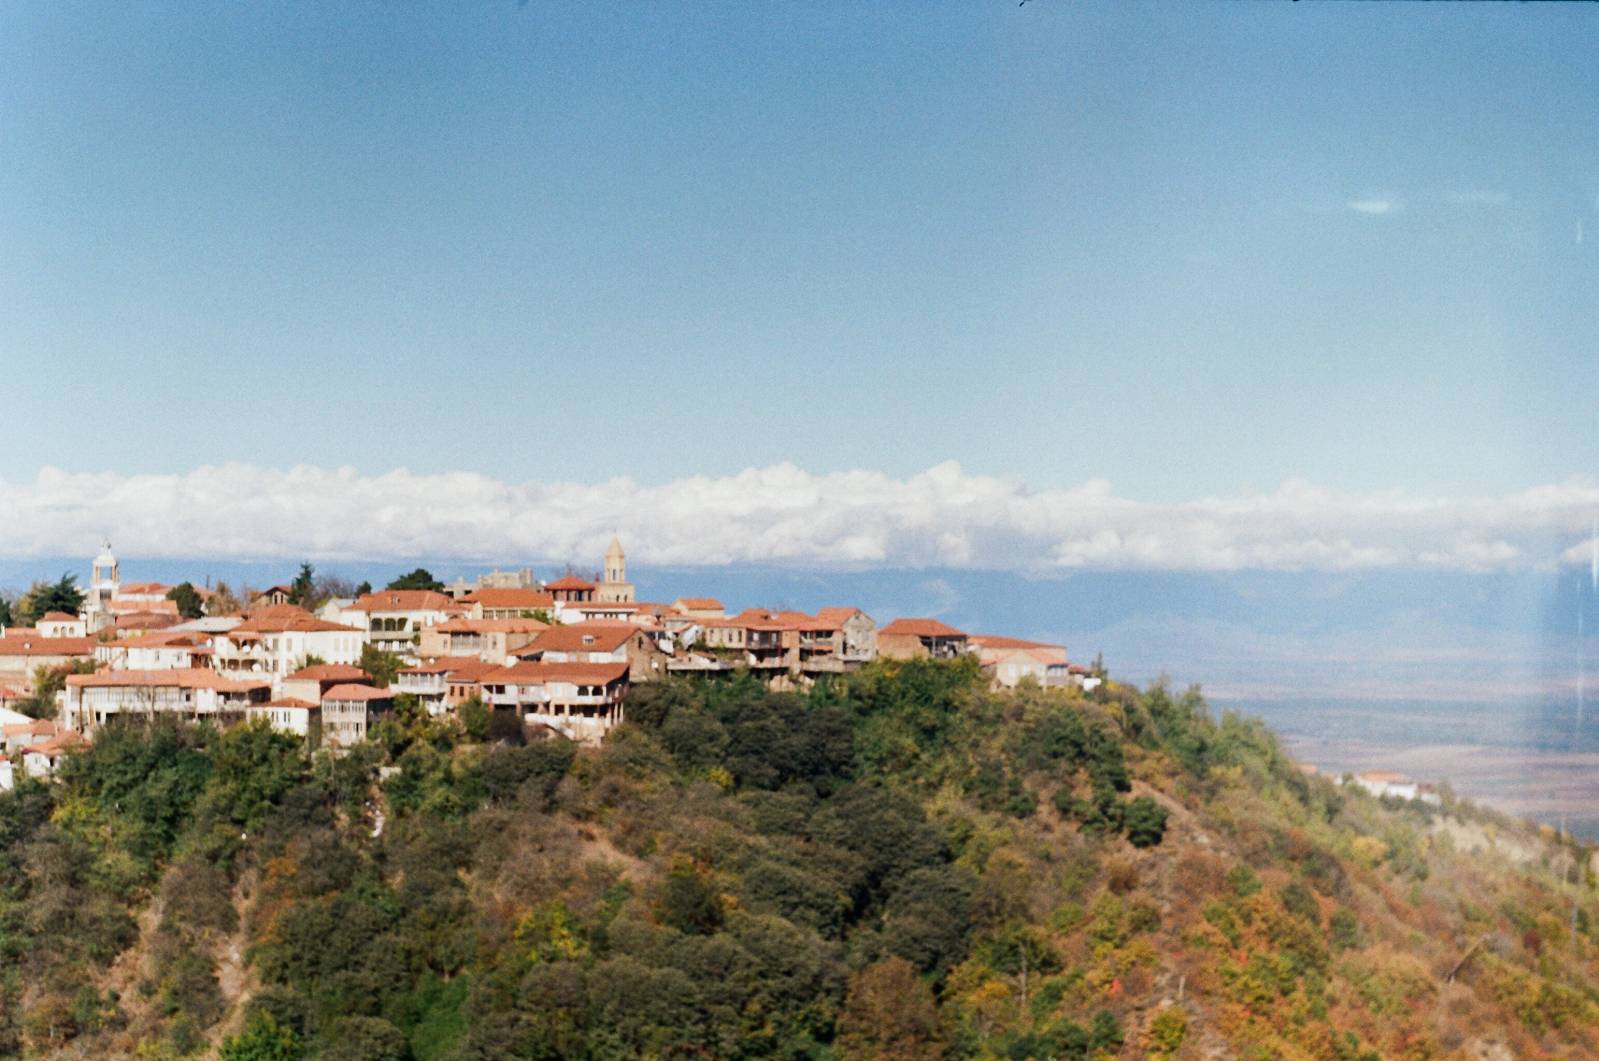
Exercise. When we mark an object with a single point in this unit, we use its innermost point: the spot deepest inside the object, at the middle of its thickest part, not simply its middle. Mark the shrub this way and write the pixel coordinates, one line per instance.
(1145, 821)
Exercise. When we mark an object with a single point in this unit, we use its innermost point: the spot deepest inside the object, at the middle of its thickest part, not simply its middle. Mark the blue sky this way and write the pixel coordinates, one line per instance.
(555, 242)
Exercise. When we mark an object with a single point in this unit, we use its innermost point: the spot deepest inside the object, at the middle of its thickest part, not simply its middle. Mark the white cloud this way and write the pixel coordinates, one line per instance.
(1375, 206)
(785, 515)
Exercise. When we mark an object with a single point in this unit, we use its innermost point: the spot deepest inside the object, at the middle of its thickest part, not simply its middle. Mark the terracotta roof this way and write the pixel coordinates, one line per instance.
(58, 617)
(61, 742)
(582, 637)
(569, 582)
(34, 645)
(145, 620)
(699, 603)
(329, 672)
(123, 606)
(531, 599)
(600, 606)
(353, 692)
(920, 628)
(179, 677)
(285, 618)
(838, 615)
(491, 626)
(128, 589)
(464, 668)
(287, 701)
(528, 673)
(166, 639)
(1382, 775)
(41, 726)
(996, 641)
(443, 664)
(402, 600)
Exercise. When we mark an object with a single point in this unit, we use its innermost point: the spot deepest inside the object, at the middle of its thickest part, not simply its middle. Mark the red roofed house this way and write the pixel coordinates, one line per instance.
(700, 607)
(349, 710)
(158, 650)
(600, 643)
(571, 588)
(300, 718)
(495, 640)
(60, 624)
(1009, 660)
(309, 683)
(41, 760)
(581, 701)
(443, 683)
(91, 699)
(22, 654)
(513, 603)
(857, 633)
(920, 639)
(395, 618)
(277, 640)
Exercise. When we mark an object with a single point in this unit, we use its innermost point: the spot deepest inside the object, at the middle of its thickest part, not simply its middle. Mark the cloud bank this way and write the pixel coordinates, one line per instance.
(785, 515)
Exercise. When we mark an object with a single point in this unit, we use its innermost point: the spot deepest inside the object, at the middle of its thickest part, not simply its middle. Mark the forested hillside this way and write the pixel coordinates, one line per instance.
(898, 864)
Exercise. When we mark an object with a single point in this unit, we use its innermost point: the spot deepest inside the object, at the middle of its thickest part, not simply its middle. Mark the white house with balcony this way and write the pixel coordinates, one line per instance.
(395, 618)
(276, 641)
(581, 701)
(90, 700)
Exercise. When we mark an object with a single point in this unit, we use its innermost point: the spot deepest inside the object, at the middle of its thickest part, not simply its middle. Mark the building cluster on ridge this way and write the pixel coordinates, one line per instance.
(561, 655)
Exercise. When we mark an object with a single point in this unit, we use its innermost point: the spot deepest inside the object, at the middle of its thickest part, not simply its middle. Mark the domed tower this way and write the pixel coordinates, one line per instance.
(103, 577)
(614, 588)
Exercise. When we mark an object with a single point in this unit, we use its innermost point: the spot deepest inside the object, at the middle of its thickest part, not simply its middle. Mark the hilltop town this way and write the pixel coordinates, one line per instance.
(557, 656)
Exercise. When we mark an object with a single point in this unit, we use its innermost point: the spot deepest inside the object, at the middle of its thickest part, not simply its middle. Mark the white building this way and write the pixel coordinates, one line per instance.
(157, 650)
(103, 577)
(581, 701)
(287, 715)
(395, 618)
(277, 640)
(60, 624)
(90, 700)
(1387, 783)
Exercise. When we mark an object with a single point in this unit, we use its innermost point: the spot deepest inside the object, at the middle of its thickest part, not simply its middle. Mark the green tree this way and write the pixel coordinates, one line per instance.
(5, 612)
(63, 595)
(421, 578)
(1145, 821)
(263, 1039)
(382, 665)
(302, 590)
(189, 604)
(363, 589)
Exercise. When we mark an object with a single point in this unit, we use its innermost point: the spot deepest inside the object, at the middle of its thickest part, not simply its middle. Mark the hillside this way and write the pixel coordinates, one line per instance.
(900, 864)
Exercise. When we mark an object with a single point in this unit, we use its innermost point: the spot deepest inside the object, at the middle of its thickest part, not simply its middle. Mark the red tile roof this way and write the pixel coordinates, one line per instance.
(530, 599)
(528, 673)
(920, 628)
(178, 677)
(455, 668)
(582, 637)
(286, 618)
(699, 604)
(491, 626)
(569, 582)
(996, 641)
(357, 693)
(838, 615)
(34, 645)
(402, 600)
(287, 701)
(329, 672)
(58, 617)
